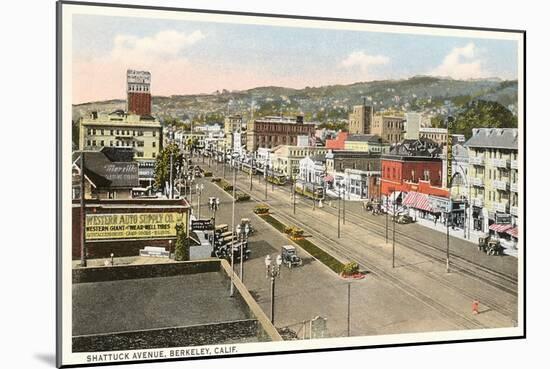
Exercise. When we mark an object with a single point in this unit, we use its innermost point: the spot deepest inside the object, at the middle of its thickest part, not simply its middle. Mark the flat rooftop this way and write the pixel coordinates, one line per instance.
(150, 303)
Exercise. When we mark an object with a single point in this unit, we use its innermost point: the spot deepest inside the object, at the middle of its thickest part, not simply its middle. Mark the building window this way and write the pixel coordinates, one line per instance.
(154, 144)
(102, 143)
(154, 133)
(112, 132)
(154, 155)
(110, 143)
(89, 143)
(89, 131)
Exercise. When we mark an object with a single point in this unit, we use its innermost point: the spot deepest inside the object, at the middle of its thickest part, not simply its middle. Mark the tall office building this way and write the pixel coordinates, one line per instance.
(138, 88)
(360, 119)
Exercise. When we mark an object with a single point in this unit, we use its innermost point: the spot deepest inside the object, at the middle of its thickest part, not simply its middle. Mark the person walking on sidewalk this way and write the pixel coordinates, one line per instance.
(475, 307)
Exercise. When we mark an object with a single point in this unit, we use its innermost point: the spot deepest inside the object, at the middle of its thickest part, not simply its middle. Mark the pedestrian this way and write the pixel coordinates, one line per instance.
(435, 220)
(475, 307)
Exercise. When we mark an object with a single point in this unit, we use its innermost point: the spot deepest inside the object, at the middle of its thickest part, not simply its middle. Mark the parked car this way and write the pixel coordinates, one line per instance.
(290, 256)
(402, 219)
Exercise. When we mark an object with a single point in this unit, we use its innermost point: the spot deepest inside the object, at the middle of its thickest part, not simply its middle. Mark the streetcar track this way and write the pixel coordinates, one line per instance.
(413, 291)
(487, 301)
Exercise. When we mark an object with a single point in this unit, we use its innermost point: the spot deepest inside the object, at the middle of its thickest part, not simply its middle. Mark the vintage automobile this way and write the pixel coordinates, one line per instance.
(221, 228)
(402, 219)
(290, 257)
(224, 251)
(245, 221)
(490, 246)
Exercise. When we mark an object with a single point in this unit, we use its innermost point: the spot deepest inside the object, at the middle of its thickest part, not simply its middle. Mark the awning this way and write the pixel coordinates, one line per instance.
(329, 178)
(500, 227)
(418, 201)
(513, 232)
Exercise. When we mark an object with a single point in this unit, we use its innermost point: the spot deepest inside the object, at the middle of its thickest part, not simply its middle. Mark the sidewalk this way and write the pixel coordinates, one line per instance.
(349, 196)
(459, 233)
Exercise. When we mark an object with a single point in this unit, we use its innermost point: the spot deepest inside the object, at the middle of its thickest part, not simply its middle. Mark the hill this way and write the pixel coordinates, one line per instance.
(328, 103)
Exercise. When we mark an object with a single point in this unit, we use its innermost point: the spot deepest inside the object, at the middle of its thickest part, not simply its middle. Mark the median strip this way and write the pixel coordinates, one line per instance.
(334, 264)
(228, 188)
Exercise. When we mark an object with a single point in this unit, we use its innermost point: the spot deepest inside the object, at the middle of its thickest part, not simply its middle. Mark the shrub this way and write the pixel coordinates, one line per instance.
(350, 268)
(261, 209)
(241, 196)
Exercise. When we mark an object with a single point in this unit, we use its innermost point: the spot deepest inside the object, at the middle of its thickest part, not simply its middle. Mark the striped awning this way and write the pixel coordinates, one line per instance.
(513, 232)
(500, 227)
(418, 201)
(329, 178)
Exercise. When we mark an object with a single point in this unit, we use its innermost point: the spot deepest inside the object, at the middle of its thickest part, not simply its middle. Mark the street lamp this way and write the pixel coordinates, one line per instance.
(213, 205)
(199, 188)
(273, 270)
(113, 258)
(242, 231)
(169, 248)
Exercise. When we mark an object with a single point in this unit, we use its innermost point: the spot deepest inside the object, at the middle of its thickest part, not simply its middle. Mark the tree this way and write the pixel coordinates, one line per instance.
(182, 244)
(483, 114)
(162, 165)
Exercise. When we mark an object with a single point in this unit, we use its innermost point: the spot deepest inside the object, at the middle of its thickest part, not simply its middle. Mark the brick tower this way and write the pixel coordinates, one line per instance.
(138, 87)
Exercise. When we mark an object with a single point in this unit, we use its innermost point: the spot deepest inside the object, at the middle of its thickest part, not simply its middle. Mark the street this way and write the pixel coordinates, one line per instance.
(415, 296)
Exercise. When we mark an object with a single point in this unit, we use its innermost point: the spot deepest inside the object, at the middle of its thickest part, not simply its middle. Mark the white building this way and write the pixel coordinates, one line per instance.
(313, 169)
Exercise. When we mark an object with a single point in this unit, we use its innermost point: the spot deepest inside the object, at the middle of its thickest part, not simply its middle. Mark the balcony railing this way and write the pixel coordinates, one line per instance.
(476, 181)
(514, 210)
(500, 185)
(514, 164)
(514, 187)
(500, 207)
(477, 160)
(501, 163)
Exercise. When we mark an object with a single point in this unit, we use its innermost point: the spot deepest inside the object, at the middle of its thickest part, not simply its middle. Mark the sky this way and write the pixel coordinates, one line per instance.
(189, 57)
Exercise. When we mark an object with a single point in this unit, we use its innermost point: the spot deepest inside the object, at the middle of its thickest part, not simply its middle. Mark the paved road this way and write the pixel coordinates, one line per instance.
(313, 290)
(450, 294)
(429, 300)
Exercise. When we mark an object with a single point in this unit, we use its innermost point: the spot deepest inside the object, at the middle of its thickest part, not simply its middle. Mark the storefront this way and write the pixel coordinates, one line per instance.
(421, 205)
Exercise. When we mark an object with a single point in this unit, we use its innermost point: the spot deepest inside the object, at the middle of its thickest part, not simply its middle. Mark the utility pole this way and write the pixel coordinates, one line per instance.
(339, 212)
(82, 213)
(447, 262)
(294, 195)
(344, 207)
(266, 175)
(171, 182)
(231, 292)
(349, 309)
(393, 237)
(251, 170)
(387, 218)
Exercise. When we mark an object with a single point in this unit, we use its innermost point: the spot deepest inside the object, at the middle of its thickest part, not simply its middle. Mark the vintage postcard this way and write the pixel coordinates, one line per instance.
(233, 184)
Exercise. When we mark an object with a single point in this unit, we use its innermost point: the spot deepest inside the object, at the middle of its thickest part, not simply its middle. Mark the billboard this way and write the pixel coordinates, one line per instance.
(132, 225)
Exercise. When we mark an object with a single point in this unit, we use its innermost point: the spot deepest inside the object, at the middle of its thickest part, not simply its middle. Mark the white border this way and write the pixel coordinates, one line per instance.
(68, 10)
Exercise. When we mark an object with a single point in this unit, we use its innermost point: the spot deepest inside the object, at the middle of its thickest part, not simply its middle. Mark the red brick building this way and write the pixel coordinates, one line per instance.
(273, 131)
(123, 227)
(139, 92)
(413, 165)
